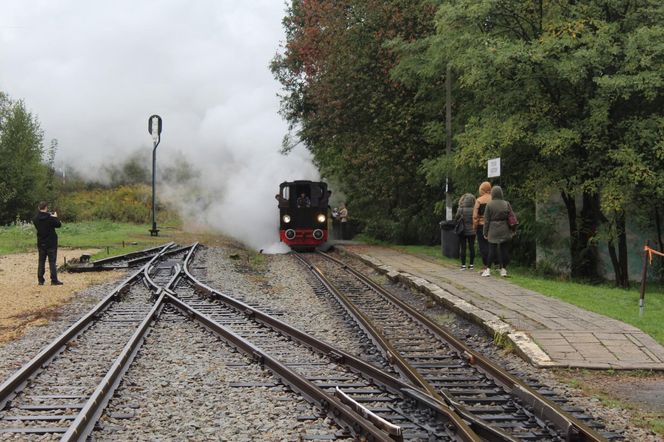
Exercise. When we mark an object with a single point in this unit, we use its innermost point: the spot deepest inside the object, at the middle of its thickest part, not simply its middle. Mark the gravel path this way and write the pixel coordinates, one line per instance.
(24, 304)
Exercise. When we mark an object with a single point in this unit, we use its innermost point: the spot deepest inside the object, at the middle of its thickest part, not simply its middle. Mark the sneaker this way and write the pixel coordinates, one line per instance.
(503, 272)
(41, 282)
(56, 283)
(471, 267)
(486, 272)
(463, 267)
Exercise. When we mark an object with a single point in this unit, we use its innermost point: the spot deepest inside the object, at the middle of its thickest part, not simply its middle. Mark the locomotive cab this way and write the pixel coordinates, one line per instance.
(303, 214)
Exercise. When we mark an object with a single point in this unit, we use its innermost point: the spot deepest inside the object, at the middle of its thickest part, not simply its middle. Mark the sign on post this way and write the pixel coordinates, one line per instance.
(154, 127)
(494, 167)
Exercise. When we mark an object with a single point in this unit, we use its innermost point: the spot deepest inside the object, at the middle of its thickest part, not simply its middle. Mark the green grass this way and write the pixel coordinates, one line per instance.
(106, 235)
(604, 299)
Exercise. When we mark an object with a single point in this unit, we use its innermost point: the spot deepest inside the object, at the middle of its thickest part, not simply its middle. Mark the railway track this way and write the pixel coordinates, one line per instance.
(62, 390)
(121, 262)
(431, 358)
(361, 398)
(425, 385)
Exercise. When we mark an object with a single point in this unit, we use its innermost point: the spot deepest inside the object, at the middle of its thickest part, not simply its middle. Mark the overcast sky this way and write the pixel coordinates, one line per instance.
(93, 72)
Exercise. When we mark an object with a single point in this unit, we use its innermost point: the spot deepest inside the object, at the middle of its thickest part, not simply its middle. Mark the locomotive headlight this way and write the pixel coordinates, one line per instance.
(321, 218)
(286, 218)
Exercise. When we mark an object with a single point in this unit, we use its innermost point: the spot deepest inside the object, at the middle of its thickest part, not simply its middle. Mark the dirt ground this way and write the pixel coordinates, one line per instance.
(24, 304)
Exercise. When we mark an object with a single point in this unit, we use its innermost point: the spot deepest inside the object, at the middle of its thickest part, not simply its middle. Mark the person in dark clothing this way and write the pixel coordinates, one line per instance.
(467, 237)
(303, 201)
(497, 230)
(47, 242)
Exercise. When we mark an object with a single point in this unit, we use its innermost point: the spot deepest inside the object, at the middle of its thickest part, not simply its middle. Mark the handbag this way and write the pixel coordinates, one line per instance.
(460, 226)
(512, 221)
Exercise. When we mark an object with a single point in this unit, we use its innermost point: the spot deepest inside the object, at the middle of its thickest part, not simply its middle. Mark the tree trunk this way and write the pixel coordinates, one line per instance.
(622, 251)
(583, 252)
(658, 225)
(570, 205)
(619, 260)
(659, 245)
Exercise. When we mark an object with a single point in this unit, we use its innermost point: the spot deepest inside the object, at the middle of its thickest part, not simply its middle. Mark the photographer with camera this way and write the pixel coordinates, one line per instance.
(47, 242)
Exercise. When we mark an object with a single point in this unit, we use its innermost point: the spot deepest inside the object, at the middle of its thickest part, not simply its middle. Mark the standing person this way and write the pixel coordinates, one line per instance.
(497, 230)
(343, 219)
(478, 221)
(303, 201)
(47, 242)
(467, 237)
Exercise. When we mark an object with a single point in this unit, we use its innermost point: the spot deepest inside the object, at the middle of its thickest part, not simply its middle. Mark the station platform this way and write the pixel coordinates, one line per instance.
(545, 331)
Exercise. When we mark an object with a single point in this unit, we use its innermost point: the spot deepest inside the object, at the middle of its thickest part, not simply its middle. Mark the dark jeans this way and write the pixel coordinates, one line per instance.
(470, 241)
(502, 250)
(344, 230)
(484, 246)
(52, 255)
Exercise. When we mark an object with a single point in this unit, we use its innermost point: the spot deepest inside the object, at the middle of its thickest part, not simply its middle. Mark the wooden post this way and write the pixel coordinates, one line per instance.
(644, 274)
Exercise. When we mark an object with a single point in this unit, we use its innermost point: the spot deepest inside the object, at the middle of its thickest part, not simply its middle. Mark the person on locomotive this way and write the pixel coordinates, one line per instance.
(303, 201)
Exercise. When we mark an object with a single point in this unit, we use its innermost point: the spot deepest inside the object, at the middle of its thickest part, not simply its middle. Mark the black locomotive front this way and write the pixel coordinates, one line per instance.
(303, 207)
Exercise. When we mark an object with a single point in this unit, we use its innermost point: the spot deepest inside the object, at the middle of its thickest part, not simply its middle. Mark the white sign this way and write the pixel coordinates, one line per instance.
(494, 168)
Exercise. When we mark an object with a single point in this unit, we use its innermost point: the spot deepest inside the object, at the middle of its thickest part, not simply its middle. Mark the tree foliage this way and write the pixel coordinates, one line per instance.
(24, 178)
(363, 127)
(568, 93)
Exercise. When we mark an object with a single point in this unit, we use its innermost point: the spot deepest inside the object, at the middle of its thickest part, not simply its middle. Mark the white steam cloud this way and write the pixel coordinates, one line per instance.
(94, 72)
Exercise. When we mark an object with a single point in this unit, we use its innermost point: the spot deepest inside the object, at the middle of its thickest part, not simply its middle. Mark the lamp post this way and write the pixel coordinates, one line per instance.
(154, 128)
(448, 138)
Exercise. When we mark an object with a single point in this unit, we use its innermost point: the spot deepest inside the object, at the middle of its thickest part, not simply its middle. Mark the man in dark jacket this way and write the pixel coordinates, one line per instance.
(47, 242)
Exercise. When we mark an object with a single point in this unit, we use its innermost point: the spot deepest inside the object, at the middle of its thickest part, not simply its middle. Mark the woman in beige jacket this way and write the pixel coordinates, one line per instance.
(478, 220)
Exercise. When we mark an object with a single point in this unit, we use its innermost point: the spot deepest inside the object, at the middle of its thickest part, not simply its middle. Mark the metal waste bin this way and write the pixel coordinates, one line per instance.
(449, 241)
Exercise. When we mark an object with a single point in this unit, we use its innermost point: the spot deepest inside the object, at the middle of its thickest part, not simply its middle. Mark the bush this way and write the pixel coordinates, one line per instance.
(132, 204)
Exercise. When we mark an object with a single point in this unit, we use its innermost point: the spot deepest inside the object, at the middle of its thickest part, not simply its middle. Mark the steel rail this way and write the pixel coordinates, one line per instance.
(17, 381)
(128, 256)
(392, 384)
(395, 358)
(86, 419)
(306, 388)
(544, 408)
(146, 269)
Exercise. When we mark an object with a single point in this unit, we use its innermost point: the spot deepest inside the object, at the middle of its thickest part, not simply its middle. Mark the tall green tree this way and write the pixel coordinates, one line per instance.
(568, 93)
(22, 173)
(363, 128)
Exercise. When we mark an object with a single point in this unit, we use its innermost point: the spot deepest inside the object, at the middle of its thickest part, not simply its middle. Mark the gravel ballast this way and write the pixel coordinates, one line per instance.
(185, 385)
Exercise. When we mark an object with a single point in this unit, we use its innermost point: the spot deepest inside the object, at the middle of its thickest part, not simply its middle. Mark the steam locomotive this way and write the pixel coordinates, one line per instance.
(303, 207)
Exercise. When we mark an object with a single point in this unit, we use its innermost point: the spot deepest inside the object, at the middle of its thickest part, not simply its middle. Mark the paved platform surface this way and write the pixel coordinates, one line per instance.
(546, 331)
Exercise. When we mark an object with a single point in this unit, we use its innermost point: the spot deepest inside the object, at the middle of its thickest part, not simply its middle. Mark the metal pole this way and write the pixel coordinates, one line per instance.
(154, 231)
(644, 274)
(448, 138)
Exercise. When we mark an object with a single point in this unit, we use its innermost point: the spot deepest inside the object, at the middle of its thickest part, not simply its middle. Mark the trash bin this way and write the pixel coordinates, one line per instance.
(449, 241)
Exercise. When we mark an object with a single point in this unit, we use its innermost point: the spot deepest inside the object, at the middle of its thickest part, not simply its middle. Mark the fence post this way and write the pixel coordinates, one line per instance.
(644, 274)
